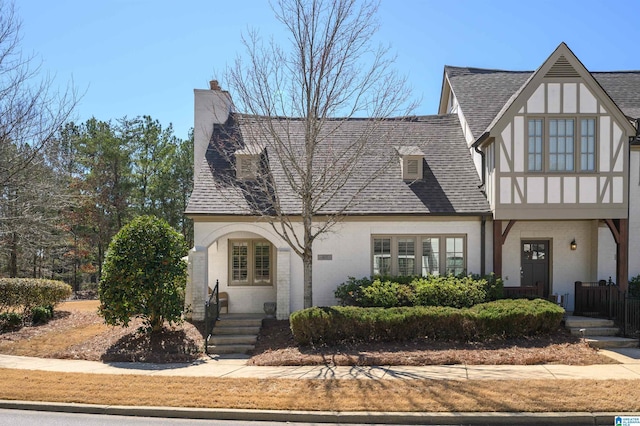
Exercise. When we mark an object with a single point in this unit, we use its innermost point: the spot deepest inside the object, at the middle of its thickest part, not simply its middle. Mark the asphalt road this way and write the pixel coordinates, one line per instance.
(43, 418)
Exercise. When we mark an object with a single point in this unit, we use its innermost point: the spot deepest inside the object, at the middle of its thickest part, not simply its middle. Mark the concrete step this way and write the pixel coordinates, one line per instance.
(229, 329)
(239, 322)
(233, 339)
(594, 331)
(605, 342)
(586, 322)
(229, 349)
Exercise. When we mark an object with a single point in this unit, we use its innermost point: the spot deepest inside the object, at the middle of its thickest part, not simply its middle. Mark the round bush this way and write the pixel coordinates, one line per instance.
(144, 275)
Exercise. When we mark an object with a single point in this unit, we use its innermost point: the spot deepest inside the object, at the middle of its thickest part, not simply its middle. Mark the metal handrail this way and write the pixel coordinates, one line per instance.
(211, 314)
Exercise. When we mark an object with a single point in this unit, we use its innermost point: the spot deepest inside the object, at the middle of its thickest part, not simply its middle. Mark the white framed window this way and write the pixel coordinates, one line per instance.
(250, 262)
(418, 254)
(381, 256)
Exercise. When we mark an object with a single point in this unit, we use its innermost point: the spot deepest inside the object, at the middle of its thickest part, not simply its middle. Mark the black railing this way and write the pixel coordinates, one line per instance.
(211, 314)
(529, 292)
(605, 299)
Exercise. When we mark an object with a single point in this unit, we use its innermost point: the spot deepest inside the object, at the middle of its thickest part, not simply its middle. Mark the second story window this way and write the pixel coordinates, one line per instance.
(561, 145)
(535, 145)
(588, 145)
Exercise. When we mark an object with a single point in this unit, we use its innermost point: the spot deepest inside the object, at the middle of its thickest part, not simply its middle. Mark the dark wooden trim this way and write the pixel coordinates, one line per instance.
(620, 230)
(499, 237)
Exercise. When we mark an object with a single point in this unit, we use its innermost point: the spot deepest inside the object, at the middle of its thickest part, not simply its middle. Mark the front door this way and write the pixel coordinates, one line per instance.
(534, 267)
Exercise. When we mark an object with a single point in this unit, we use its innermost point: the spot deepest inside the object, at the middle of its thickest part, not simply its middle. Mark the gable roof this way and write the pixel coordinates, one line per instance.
(483, 93)
(449, 187)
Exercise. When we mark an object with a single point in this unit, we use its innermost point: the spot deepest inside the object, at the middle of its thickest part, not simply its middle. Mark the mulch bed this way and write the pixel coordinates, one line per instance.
(276, 347)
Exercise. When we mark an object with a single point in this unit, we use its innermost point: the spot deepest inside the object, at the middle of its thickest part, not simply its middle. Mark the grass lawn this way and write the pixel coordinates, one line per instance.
(333, 395)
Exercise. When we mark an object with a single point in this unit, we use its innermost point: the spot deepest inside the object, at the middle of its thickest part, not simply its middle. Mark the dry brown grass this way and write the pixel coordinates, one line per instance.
(340, 395)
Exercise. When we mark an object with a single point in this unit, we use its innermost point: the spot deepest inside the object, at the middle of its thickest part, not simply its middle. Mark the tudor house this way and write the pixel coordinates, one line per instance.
(532, 175)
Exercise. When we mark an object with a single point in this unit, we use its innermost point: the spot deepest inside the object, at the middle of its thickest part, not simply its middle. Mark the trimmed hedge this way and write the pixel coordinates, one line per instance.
(446, 290)
(25, 294)
(498, 319)
(29, 300)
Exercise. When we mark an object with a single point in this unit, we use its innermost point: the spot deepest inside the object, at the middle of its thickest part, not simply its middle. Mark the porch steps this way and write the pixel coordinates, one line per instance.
(598, 333)
(235, 334)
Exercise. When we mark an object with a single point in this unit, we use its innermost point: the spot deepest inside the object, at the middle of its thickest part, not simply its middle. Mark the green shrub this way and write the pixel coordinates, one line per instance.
(24, 294)
(498, 319)
(144, 275)
(450, 291)
(10, 321)
(41, 314)
(349, 292)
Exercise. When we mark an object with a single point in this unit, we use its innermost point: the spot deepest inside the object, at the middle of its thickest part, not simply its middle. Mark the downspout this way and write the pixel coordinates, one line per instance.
(483, 179)
(476, 147)
(483, 225)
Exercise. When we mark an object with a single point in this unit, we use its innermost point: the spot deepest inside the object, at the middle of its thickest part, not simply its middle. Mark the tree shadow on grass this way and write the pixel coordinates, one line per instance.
(166, 346)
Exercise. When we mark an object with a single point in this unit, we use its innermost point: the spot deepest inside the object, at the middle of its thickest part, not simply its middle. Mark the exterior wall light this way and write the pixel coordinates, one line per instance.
(573, 244)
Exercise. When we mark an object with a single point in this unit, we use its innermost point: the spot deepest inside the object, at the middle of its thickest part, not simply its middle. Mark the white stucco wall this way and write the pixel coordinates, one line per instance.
(567, 266)
(349, 245)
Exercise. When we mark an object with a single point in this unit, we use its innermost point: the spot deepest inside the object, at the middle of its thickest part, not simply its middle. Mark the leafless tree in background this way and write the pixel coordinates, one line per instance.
(329, 74)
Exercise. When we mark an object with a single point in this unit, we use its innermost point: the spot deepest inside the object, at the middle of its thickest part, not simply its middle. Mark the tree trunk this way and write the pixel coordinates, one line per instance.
(13, 256)
(307, 262)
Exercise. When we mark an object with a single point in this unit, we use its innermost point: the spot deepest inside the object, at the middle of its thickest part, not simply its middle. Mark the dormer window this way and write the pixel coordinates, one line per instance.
(411, 158)
(248, 161)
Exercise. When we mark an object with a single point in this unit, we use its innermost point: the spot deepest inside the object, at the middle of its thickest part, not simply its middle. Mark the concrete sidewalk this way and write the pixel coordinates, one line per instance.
(629, 368)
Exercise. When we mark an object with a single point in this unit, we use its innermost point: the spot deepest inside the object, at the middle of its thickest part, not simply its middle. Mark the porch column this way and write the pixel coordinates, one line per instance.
(499, 237)
(620, 230)
(196, 291)
(283, 283)
(622, 255)
(497, 247)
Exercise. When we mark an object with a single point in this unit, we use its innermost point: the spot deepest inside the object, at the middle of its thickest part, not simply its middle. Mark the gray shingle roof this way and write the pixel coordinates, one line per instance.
(450, 183)
(482, 93)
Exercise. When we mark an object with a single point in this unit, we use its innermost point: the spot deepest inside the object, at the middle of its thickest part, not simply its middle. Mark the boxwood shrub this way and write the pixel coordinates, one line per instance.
(446, 290)
(498, 319)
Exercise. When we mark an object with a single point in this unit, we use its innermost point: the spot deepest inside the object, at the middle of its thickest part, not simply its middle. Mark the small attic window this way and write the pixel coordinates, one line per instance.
(247, 162)
(411, 158)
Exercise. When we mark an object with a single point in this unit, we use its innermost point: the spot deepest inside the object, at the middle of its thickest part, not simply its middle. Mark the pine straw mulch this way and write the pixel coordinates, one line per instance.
(276, 347)
(81, 334)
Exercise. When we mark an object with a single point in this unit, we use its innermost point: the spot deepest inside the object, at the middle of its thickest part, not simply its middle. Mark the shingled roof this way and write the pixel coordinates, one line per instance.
(482, 93)
(450, 185)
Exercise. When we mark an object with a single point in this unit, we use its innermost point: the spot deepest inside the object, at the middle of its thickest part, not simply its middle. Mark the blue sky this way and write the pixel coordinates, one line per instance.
(145, 57)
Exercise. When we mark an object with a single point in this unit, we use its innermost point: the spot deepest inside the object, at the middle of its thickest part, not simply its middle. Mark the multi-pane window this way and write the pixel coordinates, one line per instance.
(418, 255)
(561, 142)
(588, 145)
(406, 256)
(250, 262)
(535, 145)
(430, 256)
(381, 256)
(455, 255)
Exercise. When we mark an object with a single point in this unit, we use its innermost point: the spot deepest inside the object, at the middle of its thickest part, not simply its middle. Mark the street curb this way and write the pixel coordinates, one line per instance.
(568, 418)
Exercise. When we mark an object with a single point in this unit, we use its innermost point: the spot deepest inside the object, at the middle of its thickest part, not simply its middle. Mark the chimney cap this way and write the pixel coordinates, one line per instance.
(213, 85)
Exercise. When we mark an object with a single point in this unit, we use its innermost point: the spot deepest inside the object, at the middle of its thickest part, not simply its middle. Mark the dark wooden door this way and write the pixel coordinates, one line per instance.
(535, 264)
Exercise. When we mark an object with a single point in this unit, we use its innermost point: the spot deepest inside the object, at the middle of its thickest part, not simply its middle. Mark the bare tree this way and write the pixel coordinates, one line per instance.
(30, 111)
(30, 115)
(301, 102)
